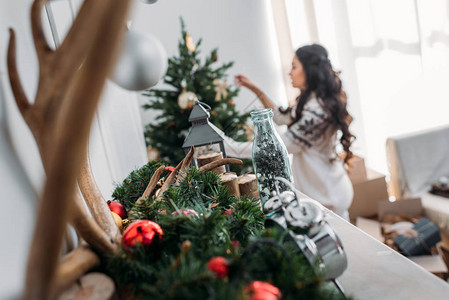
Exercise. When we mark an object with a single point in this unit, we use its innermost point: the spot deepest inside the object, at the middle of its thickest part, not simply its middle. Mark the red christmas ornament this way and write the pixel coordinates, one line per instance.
(261, 290)
(118, 208)
(142, 232)
(232, 102)
(218, 265)
(236, 244)
(170, 169)
(228, 212)
(186, 212)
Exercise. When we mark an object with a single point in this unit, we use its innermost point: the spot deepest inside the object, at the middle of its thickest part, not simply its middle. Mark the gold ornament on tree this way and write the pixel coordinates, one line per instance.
(153, 153)
(221, 90)
(186, 99)
(189, 43)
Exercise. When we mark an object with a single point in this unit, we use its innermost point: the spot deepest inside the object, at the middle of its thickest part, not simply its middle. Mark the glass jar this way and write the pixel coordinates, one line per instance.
(270, 156)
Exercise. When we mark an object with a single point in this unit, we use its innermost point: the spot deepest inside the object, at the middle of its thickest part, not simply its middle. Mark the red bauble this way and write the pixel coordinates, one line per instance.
(170, 169)
(186, 212)
(236, 244)
(228, 212)
(118, 208)
(261, 290)
(141, 232)
(218, 265)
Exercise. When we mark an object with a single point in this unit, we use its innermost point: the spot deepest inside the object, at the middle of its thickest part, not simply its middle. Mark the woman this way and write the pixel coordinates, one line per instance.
(314, 123)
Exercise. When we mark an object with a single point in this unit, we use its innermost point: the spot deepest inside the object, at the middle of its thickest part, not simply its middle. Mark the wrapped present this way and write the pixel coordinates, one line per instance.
(428, 235)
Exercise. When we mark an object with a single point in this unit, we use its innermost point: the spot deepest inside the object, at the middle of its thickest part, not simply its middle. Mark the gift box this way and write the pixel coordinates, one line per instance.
(428, 235)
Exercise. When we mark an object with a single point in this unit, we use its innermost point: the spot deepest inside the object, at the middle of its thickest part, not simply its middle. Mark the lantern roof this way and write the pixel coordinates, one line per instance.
(198, 112)
(202, 131)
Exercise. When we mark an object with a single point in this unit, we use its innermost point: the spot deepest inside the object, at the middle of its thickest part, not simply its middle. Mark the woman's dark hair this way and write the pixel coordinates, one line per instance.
(326, 84)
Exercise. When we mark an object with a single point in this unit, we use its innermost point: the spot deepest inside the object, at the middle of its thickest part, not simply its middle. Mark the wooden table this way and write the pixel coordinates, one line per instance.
(375, 271)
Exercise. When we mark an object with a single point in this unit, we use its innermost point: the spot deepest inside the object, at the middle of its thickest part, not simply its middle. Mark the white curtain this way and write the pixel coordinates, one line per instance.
(394, 58)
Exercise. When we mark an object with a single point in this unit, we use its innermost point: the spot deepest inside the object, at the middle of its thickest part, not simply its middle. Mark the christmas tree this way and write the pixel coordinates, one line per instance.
(191, 79)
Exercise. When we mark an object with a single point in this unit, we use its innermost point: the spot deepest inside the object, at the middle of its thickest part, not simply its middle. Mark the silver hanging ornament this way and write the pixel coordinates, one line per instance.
(148, 1)
(142, 62)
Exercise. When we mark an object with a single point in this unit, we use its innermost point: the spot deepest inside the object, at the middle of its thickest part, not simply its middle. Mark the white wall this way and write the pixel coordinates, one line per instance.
(116, 143)
(243, 31)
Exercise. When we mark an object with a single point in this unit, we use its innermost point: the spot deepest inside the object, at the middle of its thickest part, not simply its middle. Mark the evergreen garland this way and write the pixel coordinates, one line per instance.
(228, 226)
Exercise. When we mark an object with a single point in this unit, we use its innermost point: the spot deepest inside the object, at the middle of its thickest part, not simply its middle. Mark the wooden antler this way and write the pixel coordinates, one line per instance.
(150, 188)
(173, 176)
(95, 201)
(42, 116)
(89, 230)
(185, 165)
(72, 267)
(60, 120)
(220, 162)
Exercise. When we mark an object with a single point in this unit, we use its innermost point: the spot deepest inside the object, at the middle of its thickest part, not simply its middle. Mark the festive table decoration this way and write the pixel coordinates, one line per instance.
(304, 220)
(117, 208)
(118, 221)
(215, 249)
(210, 156)
(218, 265)
(170, 169)
(186, 212)
(142, 233)
(258, 290)
(270, 157)
(202, 131)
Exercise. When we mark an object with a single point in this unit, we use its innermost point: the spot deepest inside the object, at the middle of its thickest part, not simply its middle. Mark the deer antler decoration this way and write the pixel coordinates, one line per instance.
(60, 119)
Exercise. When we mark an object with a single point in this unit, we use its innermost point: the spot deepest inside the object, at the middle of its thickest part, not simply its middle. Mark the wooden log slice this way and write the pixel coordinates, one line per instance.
(92, 286)
(229, 179)
(208, 157)
(248, 185)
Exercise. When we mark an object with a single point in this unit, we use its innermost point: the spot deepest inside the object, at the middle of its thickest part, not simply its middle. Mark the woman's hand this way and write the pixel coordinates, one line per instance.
(242, 80)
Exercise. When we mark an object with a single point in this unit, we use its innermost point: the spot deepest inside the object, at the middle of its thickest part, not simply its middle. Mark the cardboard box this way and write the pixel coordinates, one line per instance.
(410, 207)
(367, 194)
(357, 171)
